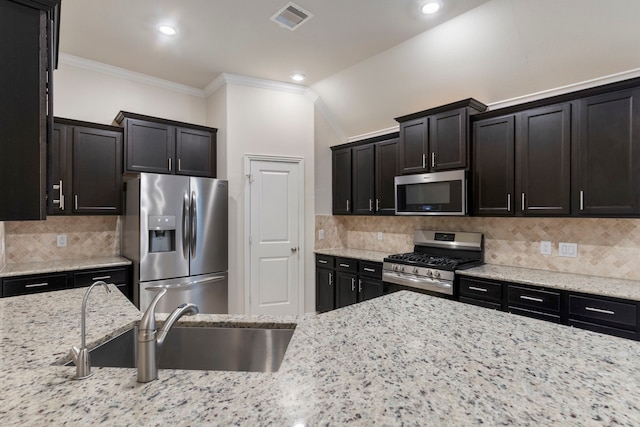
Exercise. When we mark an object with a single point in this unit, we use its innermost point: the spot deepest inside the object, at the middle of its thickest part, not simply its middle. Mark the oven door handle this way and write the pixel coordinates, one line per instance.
(416, 280)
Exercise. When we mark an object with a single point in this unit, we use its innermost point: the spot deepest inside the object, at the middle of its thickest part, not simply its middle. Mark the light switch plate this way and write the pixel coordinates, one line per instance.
(320, 234)
(62, 240)
(545, 247)
(568, 249)
(379, 235)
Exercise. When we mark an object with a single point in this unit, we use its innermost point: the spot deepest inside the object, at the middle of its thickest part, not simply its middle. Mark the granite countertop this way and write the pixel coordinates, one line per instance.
(375, 256)
(27, 268)
(401, 359)
(606, 286)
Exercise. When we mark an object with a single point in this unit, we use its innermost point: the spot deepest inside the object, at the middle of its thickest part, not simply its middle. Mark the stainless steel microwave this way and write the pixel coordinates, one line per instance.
(438, 193)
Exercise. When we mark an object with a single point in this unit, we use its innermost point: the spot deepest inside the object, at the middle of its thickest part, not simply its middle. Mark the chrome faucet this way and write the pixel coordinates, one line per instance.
(150, 343)
(81, 355)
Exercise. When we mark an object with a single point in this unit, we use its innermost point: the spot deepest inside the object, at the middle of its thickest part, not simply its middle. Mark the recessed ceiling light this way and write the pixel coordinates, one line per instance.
(297, 77)
(431, 7)
(167, 30)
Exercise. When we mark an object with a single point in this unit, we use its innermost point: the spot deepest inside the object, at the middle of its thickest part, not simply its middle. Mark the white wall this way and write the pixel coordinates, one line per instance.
(325, 137)
(268, 122)
(94, 96)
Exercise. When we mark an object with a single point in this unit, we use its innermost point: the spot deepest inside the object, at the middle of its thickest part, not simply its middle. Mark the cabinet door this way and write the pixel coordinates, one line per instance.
(543, 161)
(59, 200)
(342, 182)
(195, 152)
(149, 147)
(414, 146)
(608, 155)
(493, 169)
(386, 170)
(448, 140)
(363, 179)
(346, 289)
(97, 171)
(369, 288)
(23, 136)
(325, 294)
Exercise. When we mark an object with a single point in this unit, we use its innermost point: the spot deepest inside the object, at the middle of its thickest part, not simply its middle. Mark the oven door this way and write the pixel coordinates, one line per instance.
(418, 282)
(440, 193)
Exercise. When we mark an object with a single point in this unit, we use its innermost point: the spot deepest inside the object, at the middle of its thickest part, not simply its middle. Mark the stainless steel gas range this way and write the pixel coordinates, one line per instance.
(432, 264)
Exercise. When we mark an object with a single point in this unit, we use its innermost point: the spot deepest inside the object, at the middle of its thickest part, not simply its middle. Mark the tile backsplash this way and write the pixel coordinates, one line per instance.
(87, 237)
(606, 247)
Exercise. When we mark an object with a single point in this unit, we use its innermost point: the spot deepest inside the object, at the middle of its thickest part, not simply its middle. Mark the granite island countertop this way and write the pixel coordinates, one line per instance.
(401, 359)
(42, 267)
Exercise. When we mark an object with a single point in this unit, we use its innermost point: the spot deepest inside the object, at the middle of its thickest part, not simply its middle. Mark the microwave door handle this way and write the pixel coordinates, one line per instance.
(185, 225)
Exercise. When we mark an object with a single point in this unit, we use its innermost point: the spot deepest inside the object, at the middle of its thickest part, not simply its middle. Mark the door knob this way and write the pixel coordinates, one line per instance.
(294, 250)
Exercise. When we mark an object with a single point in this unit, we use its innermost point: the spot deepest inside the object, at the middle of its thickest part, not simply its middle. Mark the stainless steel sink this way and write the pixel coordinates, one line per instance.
(202, 348)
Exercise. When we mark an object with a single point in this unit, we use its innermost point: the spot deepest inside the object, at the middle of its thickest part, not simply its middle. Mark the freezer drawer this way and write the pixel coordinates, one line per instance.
(209, 292)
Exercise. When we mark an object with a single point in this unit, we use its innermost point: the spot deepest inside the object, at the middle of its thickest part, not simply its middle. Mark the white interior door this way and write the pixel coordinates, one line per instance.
(275, 237)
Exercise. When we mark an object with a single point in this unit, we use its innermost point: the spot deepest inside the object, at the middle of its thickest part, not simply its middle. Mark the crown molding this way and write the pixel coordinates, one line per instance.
(573, 87)
(326, 113)
(375, 133)
(123, 73)
(235, 79)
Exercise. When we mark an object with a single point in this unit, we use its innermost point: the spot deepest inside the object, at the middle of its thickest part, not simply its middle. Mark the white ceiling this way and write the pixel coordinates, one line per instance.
(238, 37)
(368, 60)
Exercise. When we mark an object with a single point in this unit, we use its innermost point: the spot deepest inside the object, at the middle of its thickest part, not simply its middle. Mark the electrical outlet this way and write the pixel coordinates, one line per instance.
(568, 249)
(545, 247)
(379, 235)
(62, 240)
(320, 234)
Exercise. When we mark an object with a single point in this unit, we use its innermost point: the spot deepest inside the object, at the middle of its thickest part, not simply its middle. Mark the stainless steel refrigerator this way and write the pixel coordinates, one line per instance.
(175, 230)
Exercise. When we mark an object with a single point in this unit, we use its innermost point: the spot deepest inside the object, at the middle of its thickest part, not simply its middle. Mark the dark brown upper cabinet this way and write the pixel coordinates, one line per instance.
(607, 155)
(85, 169)
(164, 146)
(436, 139)
(543, 161)
(493, 166)
(363, 177)
(28, 30)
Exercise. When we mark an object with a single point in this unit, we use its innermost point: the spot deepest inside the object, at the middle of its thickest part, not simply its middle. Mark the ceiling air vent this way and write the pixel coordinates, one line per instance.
(291, 16)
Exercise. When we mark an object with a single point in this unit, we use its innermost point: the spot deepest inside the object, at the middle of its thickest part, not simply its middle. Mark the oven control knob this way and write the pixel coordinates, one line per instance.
(402, 268)
(436, 274)
(429, 273)
(416, 270)
(394, 267)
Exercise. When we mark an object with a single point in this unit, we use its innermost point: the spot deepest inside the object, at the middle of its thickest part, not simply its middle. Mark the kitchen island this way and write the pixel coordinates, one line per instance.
(404, 358)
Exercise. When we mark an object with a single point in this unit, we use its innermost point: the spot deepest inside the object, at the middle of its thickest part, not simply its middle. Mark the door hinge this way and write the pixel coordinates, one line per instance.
(249, 178)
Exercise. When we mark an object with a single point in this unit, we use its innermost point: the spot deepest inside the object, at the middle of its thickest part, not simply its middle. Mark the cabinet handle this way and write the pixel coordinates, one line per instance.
(370, 205)
(600, 310)
(359, 286)
(36, 285)
(509, 202)
(370, 270)
(424, 161)
(581, 200)
(169, 164)
(322, 261)
(531, 298)
(344, 265)
(330, 279)
(522, 202)
(433, 159)
(179, 165)
(75, 200)
(377, 205)
(474, 288)
(101, 278)
(353, 285)
(60, 199)
(347, 205)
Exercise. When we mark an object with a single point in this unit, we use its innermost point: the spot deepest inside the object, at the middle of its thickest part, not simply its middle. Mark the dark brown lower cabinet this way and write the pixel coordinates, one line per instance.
(346, 289)
(605, 315)
(325, 290)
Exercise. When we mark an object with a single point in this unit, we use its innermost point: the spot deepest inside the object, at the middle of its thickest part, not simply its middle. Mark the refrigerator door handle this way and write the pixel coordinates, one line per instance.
(184, 286)
(194, 224)
(185, 225)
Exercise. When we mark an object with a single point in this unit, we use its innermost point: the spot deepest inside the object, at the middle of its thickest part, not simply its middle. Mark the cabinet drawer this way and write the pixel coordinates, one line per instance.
(33, 284)
(536, 299)
(481, 303)
(347, 264)
(598, 310)
(608, 330)
(116, 276)
(549, 317)
(370, 269)
(325, 261)
(480, 289)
